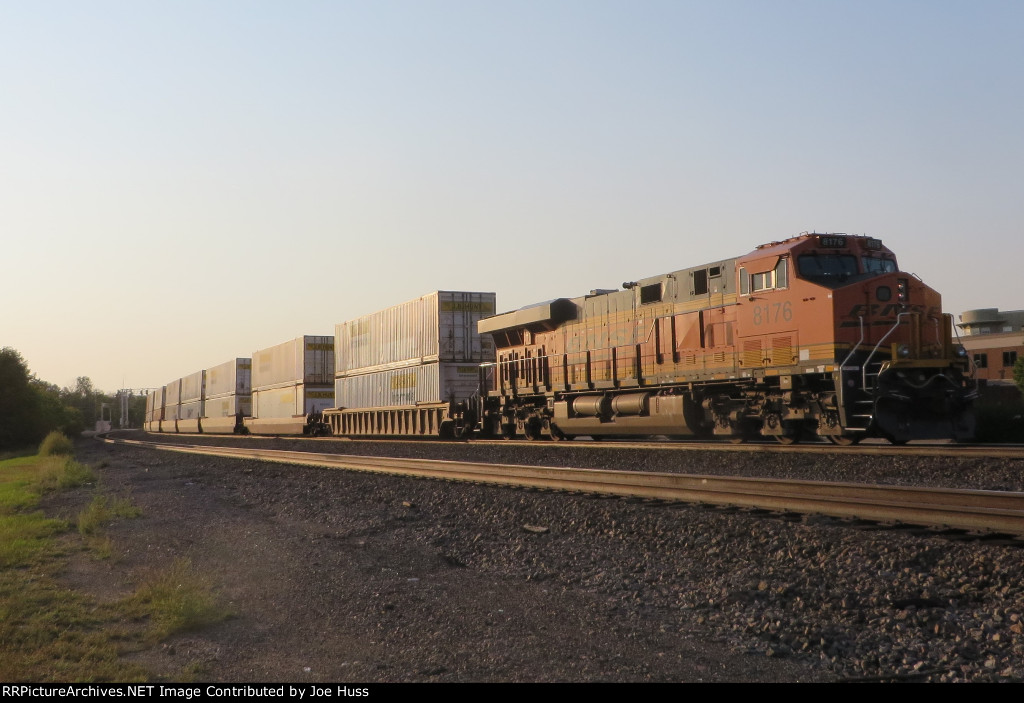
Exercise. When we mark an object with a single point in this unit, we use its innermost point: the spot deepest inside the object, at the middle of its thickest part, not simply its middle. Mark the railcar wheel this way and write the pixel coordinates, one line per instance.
(787, 439)
(532, 428)
(508, 430)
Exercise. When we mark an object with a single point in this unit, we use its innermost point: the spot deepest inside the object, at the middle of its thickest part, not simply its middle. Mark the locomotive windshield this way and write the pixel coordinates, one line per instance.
(876, 265)
(827, 269)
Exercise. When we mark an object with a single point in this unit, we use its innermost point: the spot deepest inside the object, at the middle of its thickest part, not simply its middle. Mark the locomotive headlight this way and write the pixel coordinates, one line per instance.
(903, 351)
(960, 351)
(883, 293)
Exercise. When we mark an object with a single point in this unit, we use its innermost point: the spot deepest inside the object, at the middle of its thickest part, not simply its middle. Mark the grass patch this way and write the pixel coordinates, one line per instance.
(61, 473)
(179, 599)
(102, 511)
(50, 633)
(56, 444)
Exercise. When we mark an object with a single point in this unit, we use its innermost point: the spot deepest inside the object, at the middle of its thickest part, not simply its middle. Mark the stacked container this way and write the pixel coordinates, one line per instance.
(192, 396)
(228, 394)
(291, 381)
(154, 409)
(424, 351)
(172, 406)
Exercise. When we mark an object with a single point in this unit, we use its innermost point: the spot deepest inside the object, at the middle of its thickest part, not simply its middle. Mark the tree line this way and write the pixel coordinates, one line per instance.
(30, 408)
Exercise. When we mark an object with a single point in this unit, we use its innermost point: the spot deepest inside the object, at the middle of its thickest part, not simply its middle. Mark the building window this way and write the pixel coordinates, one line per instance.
(981, 361)
(1009, 358)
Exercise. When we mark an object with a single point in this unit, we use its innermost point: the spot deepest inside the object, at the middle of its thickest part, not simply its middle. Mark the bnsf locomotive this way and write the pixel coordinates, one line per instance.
(818, 335)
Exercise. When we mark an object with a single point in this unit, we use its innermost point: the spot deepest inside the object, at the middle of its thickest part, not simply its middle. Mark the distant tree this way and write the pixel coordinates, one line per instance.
(56, 414)
(85, 398)
(20, 420)
(1018, 373)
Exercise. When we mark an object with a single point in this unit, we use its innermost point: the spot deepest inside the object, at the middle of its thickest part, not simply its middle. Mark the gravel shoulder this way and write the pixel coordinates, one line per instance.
(346, 577)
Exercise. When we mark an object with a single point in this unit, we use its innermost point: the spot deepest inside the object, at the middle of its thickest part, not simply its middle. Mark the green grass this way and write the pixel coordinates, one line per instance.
(104, 510)
(51, 633)
(55, 444)
(179, 599)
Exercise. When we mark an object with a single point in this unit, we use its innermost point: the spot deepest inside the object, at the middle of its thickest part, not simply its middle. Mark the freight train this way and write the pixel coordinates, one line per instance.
(819, 335)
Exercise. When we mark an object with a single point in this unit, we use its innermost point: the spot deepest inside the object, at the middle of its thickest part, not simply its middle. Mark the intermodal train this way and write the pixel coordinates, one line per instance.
(817, 336)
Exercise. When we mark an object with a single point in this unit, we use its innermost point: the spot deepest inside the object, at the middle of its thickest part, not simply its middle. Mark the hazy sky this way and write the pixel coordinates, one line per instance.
(185, 182)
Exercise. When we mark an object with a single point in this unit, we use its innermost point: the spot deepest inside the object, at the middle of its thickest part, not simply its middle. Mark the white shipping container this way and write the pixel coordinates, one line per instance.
(228, 406)
(155, 405)
(308, 359)
(192, 410)
(411, 385)
(230, 378)
(193, 387)
(291, 401)
(172, 392)
(172, 399)
(440, 326)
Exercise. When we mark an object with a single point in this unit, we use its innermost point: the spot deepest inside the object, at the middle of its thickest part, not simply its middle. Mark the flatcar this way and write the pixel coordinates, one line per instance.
(820, 335)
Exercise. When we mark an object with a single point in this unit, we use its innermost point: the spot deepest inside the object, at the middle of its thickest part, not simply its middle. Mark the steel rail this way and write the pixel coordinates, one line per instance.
(973, 510)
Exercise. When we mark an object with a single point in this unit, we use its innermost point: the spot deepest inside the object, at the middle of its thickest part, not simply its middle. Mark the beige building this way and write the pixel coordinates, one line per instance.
(994, 340)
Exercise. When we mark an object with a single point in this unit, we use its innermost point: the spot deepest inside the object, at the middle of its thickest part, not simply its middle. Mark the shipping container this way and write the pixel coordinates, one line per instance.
(438, 327)
(308, 359)
(191, 410)
(193, 387)
(411, 385)
(291, 401)
(172, 399)
(155, 405)
(228, 406)
(230, 378)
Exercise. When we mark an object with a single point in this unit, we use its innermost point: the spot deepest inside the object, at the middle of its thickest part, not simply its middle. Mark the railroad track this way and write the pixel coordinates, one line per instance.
(881, 448)
(998, 512)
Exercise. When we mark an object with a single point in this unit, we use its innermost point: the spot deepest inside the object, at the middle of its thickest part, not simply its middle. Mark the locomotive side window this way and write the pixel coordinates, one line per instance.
(744, 282)
(770, 280)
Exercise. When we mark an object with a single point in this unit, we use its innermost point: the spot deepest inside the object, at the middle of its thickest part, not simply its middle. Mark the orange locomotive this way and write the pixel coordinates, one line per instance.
(818, 335)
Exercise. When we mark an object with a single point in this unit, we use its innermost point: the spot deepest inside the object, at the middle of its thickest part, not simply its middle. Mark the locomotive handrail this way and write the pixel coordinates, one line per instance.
(855, 346)
(864, 368)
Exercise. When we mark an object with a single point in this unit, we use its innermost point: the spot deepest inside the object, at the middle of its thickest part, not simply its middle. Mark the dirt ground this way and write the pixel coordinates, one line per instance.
(344, 577)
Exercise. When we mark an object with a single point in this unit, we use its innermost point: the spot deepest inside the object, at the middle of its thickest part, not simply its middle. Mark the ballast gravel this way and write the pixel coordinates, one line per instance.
(340, 576)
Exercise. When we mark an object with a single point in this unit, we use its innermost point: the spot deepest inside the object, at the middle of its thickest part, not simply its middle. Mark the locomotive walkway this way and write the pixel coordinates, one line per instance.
(998, 512)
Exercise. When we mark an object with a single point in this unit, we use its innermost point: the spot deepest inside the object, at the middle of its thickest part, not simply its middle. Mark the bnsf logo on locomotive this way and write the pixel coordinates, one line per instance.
(889, 310)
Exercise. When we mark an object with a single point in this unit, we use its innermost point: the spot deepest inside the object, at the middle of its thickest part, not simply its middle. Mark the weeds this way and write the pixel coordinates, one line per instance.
(61, 473)
(102, 511)
(56, 444)
(179, 600)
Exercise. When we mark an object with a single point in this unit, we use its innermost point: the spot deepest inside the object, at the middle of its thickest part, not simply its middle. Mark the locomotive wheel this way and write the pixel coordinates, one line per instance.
(843, 440)
(559, 436)
(508, 430)
(787, 439)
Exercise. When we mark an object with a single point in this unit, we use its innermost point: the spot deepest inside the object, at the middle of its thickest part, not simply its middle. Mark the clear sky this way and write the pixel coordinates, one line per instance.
(186, 182)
